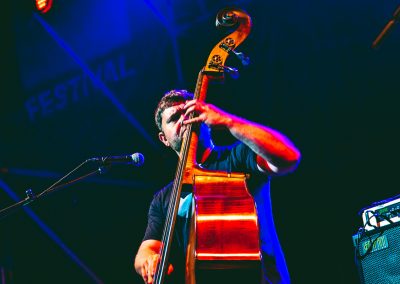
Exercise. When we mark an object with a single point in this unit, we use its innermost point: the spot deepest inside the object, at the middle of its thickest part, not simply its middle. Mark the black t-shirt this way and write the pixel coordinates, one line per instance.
(234, 158)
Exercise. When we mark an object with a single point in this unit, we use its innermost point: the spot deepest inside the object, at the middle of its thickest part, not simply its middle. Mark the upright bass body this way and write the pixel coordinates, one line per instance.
(224, 239)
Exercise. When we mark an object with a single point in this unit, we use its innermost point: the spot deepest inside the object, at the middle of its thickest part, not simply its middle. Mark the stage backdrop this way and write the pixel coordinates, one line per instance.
(83, 81)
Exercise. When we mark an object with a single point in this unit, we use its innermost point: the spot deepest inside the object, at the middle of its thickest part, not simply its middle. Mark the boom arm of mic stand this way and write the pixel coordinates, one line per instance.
(385, 31)
(30, 196)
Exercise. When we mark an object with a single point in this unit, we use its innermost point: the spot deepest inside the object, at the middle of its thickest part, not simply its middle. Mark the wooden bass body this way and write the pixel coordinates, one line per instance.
(224, 239)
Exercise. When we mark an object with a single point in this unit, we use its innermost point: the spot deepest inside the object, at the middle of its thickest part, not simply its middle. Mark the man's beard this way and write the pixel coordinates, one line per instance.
(176, 145)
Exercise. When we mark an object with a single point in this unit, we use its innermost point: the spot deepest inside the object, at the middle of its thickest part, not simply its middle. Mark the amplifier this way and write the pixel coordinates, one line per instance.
(385, 213)
(378, 255)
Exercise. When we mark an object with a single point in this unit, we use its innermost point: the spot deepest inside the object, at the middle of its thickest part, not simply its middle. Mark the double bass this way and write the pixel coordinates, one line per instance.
(224, 234)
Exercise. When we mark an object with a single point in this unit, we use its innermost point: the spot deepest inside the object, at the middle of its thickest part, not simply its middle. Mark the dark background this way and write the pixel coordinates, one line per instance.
(83, 80)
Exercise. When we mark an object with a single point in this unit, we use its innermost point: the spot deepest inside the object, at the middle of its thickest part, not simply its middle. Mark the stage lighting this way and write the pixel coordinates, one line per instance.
(43, 5)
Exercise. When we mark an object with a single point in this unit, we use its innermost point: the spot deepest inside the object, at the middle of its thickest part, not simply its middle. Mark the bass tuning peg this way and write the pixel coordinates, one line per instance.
(233, 72)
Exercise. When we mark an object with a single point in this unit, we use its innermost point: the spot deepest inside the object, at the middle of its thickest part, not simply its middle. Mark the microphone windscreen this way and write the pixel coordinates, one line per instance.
(137, 159)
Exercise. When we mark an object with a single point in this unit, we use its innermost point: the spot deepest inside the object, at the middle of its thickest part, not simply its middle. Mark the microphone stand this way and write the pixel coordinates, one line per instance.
(385, 31)
(30, 196)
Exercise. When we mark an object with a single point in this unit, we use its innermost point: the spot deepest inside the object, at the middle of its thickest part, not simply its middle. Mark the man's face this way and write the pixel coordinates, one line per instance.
(172, 130)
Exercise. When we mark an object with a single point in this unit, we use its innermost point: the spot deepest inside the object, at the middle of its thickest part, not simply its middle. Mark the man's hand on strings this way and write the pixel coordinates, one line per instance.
(150, 266)
(207, 113)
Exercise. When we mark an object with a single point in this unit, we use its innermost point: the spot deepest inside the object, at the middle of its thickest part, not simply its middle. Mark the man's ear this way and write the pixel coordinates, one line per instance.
(163, 139)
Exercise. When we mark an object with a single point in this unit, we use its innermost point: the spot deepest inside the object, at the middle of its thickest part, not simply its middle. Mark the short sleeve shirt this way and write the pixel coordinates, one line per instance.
(234, 158)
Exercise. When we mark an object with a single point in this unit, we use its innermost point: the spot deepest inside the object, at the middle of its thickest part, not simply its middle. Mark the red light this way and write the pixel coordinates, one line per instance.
(44, 5)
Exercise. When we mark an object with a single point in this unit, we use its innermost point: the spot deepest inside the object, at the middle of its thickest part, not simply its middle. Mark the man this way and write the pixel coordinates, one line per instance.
(260, 151)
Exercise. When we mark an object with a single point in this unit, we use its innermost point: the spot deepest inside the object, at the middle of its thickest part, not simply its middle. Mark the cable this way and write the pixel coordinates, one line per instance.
(362, 232)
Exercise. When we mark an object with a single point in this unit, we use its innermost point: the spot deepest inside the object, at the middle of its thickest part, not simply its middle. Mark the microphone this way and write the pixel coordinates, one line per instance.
(389, 26)
(135, 159)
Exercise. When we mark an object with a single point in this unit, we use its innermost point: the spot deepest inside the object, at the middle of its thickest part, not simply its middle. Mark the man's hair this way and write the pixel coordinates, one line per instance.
(170, 99)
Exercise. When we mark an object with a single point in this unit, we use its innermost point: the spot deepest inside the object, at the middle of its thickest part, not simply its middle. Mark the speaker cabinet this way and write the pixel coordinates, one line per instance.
(377, 255)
